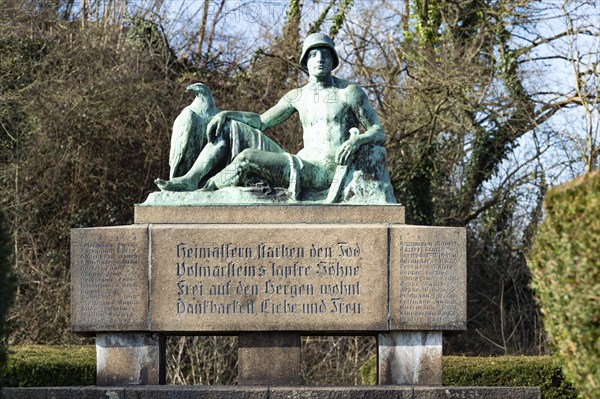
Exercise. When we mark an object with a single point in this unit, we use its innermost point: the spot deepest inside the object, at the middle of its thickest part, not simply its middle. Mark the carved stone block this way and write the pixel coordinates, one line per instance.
(428, 278)
(218, 278)
(109, 278)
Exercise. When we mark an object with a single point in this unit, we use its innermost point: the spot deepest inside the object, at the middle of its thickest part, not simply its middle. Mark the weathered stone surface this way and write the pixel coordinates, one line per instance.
(109, 278)
(64, 393)
(269, 359)
(242, 392)
(428, 283)
(410, 358)
(197, 392)
(131, 358)
(216, 278)
(476, 393)
(269, 214)
(352, 392)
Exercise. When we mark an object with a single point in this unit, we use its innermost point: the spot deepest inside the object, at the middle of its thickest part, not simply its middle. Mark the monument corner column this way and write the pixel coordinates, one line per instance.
(428, 286)
(130, 359)
(410, 358)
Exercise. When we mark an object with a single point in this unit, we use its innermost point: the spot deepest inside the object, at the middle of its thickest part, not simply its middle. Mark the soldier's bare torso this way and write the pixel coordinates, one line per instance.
(326, 116)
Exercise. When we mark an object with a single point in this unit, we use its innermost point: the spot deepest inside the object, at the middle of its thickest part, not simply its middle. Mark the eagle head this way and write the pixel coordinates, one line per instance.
(204, 98)
(198, 88)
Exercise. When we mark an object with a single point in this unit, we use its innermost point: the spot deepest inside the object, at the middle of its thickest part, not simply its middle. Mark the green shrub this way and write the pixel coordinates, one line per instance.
(525, 371)
(368, 371)
(7, 285)
(565, 262)
(46, 366)
(528, 371)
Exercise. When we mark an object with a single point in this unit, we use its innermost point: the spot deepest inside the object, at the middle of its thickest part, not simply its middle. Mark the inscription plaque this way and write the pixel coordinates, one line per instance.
(268, 278)
(428, 278)
(109, 277)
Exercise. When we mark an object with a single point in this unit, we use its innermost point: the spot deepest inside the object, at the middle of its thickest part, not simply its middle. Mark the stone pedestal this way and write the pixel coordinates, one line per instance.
(130, 359)
(268, 274)
(410, 358)
(269, 359)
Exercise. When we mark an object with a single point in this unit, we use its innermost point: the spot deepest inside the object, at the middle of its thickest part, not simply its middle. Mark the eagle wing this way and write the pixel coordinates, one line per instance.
(183, 143)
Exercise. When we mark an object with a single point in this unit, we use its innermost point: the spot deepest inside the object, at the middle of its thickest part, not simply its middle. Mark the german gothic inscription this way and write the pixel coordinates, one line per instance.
(269, 277)
(109, 271)
(428, 278)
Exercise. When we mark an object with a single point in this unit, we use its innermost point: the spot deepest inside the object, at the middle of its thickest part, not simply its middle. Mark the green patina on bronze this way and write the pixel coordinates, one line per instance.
(336, 163)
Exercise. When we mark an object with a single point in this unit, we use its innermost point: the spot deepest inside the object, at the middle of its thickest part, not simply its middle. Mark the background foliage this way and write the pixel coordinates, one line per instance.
(566, 266)
(88, 92)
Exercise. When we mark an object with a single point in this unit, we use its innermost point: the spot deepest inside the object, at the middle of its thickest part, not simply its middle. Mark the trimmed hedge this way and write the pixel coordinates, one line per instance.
(36, 366)
(525, 371)
(51, 366)
(530, 371)
(565, 263)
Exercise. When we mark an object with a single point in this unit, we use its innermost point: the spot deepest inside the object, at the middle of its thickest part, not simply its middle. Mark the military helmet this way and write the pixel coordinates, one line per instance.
(318, 40)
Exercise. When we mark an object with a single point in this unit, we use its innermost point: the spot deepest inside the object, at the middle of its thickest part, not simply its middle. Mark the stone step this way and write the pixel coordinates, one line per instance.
(265, 392)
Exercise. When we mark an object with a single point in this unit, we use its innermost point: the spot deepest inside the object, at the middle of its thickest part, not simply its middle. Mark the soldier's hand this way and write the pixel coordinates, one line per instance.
(215, 126)
(346, 151)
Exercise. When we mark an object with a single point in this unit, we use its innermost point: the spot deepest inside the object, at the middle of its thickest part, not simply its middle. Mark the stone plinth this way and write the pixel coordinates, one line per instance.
(269, 214)
(269, 274)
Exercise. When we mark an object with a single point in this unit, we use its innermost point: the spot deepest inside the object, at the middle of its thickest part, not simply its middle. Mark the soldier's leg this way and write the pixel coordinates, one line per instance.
(212, 155)
(273, 167)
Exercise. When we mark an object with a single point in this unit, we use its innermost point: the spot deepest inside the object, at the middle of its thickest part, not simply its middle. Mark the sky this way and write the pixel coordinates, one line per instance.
(251, 23)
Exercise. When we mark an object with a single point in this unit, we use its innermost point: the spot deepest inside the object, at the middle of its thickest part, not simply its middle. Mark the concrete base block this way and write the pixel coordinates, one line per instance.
(130, 358)
(476, 393)
(263, 392)
(410, 358)
(354, 392)
(269, 359)
(64, 393)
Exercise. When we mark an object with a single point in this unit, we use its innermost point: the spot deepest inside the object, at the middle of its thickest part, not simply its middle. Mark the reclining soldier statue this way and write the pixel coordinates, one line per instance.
(330, 110)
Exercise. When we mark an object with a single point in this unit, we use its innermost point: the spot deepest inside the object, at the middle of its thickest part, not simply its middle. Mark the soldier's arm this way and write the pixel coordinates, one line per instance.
(361, 106)
(273, 117)
(281, 111)
(367, 117)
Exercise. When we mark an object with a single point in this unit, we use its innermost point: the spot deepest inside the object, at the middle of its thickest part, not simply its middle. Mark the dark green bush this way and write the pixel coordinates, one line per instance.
(524, 371)
(7, 284)
(565, 263)
(46, 366)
